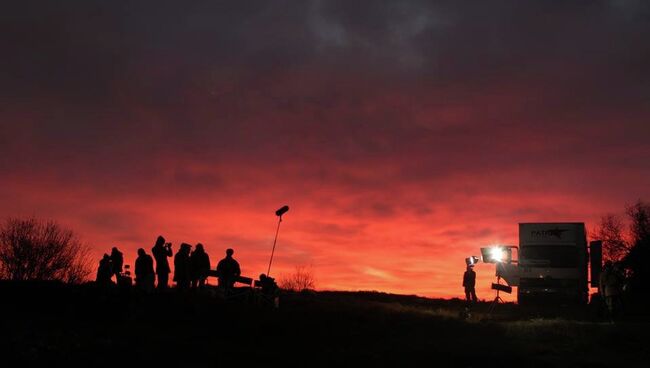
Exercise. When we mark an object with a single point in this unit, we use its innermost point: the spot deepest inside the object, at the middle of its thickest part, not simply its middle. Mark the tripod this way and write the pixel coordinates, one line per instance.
(497, 298)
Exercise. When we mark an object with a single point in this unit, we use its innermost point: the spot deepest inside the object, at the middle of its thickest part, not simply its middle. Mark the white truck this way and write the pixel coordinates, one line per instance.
(553, 263)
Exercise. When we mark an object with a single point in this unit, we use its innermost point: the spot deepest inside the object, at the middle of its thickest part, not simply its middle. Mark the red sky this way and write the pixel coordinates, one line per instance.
(403, 136)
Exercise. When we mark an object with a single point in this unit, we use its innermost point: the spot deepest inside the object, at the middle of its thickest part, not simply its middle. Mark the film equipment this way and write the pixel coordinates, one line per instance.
(500, 254)
(500, 287)
(281, 211)
(497, 254)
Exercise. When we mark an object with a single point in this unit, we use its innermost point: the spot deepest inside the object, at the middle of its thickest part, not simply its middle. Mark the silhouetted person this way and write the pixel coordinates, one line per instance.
(270, 290)
(268, 285)
(104, 271)
(117, 260)
(228, 271)
(161, 251)
(182, 267)
(200, 265)
(469, 281)
(144, 273)
(611, 285)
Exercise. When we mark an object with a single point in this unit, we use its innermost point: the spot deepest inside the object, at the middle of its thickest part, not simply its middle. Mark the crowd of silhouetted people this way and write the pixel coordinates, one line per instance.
(191, 269)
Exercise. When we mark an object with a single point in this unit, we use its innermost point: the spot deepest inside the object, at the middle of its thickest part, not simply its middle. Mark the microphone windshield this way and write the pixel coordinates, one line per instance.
(282, 211)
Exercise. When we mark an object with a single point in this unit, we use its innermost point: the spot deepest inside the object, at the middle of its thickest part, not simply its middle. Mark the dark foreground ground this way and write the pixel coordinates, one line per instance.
(53, 325)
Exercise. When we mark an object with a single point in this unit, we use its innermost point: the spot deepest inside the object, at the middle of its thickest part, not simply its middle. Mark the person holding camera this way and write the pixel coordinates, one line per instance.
(161, 251)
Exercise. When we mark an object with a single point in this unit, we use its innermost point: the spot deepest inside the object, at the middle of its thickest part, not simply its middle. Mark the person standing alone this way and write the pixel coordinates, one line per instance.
(469, 281)
(227, 271)
(611, 288)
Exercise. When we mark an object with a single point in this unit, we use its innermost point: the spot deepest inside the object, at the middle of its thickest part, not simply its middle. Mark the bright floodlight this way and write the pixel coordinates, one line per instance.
(497, 254)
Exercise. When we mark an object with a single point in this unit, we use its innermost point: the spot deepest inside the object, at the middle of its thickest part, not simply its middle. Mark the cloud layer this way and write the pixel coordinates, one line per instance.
(402, 135)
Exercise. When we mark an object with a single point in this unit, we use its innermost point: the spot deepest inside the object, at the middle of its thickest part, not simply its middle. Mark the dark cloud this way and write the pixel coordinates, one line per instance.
(364, 112)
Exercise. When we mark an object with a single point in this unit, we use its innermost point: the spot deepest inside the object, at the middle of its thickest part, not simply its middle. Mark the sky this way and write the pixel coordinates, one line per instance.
(404, 136)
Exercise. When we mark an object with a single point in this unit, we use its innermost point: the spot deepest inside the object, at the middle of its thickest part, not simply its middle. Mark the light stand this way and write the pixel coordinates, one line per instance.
(497, 298)
(500, 255)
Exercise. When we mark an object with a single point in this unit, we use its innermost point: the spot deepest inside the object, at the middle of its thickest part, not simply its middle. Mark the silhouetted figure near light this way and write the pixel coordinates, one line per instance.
(117, 260)
(611, 288)
(144, 273)
(228, 271)
(104, 271)
(200, 266)
(469, 281)
(161, 251)
(182, 267)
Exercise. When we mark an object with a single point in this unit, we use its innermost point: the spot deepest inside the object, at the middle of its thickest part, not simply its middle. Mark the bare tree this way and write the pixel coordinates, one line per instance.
(301, 279)
(639, 215)
(611, 231)
(32, 249)
(637, 259)
(628, 242)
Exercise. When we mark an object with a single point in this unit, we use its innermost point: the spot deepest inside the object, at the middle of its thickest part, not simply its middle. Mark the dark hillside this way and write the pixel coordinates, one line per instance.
(52, 323)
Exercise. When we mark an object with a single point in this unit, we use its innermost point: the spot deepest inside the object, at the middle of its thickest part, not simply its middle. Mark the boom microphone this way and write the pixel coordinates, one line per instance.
(282, 211)
(278, 213)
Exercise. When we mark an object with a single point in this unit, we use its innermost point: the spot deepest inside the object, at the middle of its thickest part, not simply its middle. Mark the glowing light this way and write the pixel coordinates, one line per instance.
(497, 254)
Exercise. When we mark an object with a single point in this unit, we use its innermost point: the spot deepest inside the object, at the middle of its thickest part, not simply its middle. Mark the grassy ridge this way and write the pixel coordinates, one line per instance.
(77, 324)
